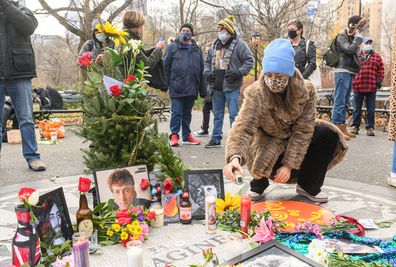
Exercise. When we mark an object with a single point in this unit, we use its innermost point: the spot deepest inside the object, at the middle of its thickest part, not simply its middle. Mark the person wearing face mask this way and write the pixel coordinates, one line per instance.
(227, 62)
(305, 58)
(347, 44)
(183, 69)
(365, 85)
(276, 134)
(96, 44)
(134, 24)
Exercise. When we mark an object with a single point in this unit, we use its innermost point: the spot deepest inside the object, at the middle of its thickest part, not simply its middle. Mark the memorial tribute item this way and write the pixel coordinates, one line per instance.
(246, 204)
(135, 253)
(210, 213)
(80, 250)
(185, 209)
(84, 213)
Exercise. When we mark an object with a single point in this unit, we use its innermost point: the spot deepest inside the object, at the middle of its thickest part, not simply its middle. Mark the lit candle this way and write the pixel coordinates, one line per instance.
(135, 253)
(246, 203)
(80, 250)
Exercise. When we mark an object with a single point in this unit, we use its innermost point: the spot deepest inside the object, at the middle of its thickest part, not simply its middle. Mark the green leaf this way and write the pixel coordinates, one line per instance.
(116, 58)
(99, 207)
(95, 77)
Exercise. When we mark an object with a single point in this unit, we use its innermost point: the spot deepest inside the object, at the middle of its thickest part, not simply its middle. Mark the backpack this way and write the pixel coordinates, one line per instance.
(332, 56)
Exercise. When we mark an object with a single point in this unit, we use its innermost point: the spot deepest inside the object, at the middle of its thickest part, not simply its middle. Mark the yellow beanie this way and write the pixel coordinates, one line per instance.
(228, 23)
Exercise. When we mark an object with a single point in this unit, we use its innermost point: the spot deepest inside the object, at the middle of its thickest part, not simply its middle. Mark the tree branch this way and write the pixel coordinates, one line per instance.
(119, 10)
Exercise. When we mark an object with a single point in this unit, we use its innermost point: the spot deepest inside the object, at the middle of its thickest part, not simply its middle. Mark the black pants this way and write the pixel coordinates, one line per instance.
(313, 169)
(207, 107)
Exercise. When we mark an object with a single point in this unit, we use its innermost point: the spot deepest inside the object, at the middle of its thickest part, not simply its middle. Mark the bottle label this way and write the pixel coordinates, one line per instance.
(86, 227)
(185, 213)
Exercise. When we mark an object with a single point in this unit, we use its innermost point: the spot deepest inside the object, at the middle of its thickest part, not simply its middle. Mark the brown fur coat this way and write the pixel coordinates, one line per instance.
(269, 125)
(392, 118)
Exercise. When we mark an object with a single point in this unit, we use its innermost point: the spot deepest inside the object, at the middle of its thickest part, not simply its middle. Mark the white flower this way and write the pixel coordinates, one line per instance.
(317, 251)
(34, 198)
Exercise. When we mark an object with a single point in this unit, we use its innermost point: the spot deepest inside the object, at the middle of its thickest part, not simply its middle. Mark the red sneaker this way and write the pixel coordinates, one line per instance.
(174, 140)
(191, 141)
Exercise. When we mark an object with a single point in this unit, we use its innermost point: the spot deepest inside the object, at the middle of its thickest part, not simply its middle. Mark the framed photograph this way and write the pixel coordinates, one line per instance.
(170, 204)
(54, 221)
(201, 182)
(272, 254)
(126, 185)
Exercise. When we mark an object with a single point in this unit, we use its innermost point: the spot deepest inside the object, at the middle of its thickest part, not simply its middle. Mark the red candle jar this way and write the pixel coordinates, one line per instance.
(246, 204)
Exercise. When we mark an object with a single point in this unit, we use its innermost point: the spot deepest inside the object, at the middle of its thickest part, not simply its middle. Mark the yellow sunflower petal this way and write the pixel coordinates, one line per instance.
(236, 201)
(228, 199)
(116, 42)
(220, 205)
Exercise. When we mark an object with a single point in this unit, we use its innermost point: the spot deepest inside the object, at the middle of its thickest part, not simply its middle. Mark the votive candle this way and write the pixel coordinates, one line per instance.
(80, 250)
(135, 253)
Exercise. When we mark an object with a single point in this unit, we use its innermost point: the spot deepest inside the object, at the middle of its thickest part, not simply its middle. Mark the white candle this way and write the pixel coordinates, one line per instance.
(135, 254)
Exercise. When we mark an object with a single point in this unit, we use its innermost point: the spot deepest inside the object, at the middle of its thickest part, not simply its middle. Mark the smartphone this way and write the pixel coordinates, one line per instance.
(161, 38)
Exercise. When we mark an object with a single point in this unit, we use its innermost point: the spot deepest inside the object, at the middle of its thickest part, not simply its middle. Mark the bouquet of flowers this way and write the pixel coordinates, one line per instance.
(121, 226)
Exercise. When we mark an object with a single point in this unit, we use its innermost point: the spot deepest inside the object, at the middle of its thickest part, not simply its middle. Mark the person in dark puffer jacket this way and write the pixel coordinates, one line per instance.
(183, 67)
(17, 68)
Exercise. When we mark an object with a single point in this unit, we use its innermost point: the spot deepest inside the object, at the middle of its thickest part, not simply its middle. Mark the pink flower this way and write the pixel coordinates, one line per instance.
(145, 232)
(264, 231)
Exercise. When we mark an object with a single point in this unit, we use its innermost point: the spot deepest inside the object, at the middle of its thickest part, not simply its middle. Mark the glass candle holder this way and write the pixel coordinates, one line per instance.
(80, 250)
(135, 253)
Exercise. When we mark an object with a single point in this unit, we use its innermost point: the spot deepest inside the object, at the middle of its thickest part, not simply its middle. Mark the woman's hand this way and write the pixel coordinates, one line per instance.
(282, 174)
(160, 45)
(232, 168)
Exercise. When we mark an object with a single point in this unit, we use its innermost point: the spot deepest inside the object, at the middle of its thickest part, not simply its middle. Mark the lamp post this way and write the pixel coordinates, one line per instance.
(255, 41)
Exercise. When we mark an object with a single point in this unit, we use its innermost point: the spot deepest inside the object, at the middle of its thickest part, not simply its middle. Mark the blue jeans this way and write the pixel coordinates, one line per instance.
(357, 108)
(20, 91)
(394, 158)
(342, 95)
(219, 100)
(181, 114)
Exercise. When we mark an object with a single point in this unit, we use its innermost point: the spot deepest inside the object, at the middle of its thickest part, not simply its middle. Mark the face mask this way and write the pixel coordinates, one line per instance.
(368, 48)
(222, 36)
(185, 36)
(276, 85)
(292, 34)
(100, 37)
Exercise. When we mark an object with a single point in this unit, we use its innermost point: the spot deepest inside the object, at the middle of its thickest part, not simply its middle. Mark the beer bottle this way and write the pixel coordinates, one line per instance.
(185, 209)
(84, 217)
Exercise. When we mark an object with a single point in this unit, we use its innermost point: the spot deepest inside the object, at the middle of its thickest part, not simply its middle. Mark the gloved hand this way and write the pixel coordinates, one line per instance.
(209, 77)
(232, 75)
(379, 83)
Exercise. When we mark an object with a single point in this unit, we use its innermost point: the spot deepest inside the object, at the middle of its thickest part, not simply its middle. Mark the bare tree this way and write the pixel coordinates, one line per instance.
(77, 17)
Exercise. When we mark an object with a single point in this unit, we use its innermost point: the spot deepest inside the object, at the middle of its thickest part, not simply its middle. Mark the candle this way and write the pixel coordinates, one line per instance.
(246, 203)
(159, 218)
(80, 250)
(135, 253)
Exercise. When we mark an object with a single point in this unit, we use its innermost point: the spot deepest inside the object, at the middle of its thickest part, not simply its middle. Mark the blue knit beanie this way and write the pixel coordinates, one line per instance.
(279, 57)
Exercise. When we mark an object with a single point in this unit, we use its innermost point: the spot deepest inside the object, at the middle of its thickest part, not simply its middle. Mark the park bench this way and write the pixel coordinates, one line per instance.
(324, 104)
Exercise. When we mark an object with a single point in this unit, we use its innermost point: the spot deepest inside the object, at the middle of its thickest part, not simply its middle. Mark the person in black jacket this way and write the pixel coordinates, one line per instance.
(305, 58)
(183, 67)
(347, 44)
(17, 68)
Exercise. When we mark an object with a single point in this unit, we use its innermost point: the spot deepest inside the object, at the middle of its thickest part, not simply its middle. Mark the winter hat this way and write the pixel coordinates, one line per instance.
(187, 25)
(353, 21)
(279, 57)
(228, 23)
(367, 39)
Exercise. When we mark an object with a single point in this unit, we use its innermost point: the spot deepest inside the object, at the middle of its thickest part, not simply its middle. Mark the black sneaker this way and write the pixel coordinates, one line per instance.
(213, 144)
(202, 133)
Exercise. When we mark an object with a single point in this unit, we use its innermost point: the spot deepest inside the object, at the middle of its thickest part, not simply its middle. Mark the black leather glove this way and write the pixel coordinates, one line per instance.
(232, 75)
(209, 77)
(379, 83)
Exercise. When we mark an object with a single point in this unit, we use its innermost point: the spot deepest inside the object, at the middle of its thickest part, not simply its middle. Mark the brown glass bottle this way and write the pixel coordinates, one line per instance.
(185, 209)
(84, 217)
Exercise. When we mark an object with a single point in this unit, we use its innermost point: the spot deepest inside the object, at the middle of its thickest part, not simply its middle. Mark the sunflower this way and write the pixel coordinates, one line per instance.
(124, 235)
(229, 202)
(112, 31)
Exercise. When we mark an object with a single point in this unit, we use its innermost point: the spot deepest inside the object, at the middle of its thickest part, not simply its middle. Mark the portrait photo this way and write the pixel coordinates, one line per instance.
(200, 183)
(128, 186)
(54, 221)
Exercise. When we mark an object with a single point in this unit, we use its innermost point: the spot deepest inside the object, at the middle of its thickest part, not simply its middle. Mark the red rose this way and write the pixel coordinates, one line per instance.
(129, 78)
(144, 184)
(151, 215)
(122, 214)
(85, 59)
(115, 90)
(178, 179)
(28, 195)
(124, 220)
(168, 184)
(84, 184)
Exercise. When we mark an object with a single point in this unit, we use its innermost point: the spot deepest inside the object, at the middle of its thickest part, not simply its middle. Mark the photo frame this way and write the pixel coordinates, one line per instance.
(200, 182)
(118, 179)
(54, 221)
(170, 204)
(272, 253)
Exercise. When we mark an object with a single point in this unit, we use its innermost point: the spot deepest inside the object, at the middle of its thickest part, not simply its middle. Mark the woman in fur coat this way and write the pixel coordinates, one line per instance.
(276, 133)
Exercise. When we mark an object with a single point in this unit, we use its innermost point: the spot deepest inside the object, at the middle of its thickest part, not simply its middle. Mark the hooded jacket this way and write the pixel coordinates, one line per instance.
(268, 126)
(17, 24)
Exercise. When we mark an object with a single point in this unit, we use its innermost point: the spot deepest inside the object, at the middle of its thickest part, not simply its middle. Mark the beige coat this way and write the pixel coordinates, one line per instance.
(392, 118)
(268, 125)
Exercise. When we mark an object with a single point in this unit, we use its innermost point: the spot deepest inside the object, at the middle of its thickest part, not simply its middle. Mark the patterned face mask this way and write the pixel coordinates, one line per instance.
(276, 85)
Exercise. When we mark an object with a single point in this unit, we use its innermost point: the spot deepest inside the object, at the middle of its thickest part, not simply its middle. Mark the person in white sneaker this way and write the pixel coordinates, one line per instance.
(276, 134)
(392, 116)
